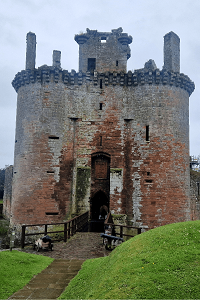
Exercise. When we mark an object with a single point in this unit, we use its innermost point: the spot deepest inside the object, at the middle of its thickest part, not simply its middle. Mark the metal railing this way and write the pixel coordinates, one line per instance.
(70, 228)
(109, 221)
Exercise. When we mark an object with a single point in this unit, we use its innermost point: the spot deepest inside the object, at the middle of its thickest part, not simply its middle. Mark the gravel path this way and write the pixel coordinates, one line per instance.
(83, 245)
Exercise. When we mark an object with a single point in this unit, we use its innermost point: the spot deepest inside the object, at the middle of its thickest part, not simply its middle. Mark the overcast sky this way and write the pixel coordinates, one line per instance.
(55, 22)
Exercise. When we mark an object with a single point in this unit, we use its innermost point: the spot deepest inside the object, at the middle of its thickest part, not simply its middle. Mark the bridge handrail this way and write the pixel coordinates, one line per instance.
(70, 227)
(109, 221)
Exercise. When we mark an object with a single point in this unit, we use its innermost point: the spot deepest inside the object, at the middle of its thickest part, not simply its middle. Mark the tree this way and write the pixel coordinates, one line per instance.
(2, 179)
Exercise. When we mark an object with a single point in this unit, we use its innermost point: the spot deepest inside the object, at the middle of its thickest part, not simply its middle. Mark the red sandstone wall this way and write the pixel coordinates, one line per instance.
(60, 127)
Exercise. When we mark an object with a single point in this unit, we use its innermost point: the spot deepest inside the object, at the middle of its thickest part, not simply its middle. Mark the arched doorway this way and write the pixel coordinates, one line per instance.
(99, 210)
(99, 206)
(100, 190)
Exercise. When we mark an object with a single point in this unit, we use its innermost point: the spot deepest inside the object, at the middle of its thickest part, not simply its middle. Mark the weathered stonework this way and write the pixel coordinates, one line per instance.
(7, 197)
(195, 194)
(103, 139)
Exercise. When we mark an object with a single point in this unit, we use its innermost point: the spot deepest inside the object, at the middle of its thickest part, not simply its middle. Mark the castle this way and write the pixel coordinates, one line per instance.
(102, 139)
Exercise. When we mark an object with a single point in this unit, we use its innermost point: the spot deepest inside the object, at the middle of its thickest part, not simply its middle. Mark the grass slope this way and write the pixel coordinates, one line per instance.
(17, 269)
(163, 263)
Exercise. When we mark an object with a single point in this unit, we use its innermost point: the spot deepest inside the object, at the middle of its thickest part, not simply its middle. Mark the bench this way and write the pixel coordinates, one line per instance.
(111, 241)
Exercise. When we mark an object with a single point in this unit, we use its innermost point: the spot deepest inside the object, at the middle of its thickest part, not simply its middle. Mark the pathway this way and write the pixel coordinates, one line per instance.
(52, 281)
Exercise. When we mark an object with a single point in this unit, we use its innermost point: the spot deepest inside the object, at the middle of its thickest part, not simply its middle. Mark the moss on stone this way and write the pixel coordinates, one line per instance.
(82, 184)
(119, 217)
(115, 170)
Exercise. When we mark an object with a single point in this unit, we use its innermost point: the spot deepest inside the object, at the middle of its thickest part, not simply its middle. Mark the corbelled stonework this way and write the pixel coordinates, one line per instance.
(47, 74)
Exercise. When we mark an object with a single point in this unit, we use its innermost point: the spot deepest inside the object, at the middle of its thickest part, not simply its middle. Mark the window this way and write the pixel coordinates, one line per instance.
(117, 63)
(103, 39)
(54, 137)
(100, 106)
(147, 133)
(91, 64)
(100, 83)
(149, 180)
(100, 140)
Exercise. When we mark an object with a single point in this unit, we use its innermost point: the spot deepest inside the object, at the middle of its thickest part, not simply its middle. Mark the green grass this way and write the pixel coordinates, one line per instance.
(17, 269)
(1, 201)
(163, 263)
(59, 234)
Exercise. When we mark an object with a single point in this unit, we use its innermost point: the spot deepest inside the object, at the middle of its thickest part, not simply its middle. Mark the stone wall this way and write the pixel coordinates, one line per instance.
(195, 194)
(7, 197)
(61, 125)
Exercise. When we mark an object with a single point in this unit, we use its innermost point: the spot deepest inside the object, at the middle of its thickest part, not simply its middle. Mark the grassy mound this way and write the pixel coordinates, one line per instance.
(17, 269)
(163, 263)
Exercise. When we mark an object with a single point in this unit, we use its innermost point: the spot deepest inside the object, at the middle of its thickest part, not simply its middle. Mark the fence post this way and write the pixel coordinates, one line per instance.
(45, 229)
(121, 231)
(65, 232)
(72, 232)
(23, 236)
(78, 225)
(68, 230)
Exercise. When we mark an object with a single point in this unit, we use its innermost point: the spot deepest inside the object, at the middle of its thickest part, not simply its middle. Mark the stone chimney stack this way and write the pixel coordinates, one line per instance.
(56, 58)
(172, 52)
(30, 51)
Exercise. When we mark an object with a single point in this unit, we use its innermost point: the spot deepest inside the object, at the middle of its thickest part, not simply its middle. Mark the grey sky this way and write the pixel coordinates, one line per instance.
(56, 22)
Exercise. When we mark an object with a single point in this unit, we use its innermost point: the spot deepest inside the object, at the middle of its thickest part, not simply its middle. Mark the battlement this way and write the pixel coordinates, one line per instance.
(46, 74)
(102, 61)
(123, 38)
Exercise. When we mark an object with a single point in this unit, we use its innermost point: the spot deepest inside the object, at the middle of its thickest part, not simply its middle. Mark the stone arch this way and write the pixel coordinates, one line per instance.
(100, 189)
(99, 206)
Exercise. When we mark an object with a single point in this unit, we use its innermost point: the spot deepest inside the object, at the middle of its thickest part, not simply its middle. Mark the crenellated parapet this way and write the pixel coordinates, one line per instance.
(144, 76)
(122, 37)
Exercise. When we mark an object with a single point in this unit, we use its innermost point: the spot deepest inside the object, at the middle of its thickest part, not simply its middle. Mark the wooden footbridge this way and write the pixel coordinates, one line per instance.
(69, 228)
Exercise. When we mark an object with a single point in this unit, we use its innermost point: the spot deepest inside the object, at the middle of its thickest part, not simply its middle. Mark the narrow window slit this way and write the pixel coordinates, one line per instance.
(100, 83)
(148, 181)
(117, 63)
(100, 141)
(147, 133)
(50, 172)
(100, 106)
(51, 213)
(54, 137)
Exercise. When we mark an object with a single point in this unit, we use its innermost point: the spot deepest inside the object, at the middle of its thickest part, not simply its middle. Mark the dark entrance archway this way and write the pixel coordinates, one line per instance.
(99, 206)
(99, 211)
(100, 190)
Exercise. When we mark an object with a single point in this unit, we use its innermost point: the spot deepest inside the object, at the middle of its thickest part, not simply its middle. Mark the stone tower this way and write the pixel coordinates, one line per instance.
(103, 51)
(102, 139)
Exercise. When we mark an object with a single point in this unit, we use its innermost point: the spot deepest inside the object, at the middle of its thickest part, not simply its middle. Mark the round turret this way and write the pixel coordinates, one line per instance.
(103, 139)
